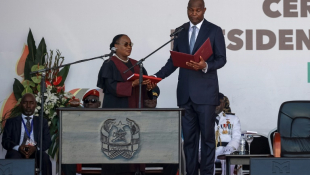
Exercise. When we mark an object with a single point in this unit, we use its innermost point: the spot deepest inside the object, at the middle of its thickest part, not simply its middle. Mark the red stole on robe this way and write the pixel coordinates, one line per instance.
(125, 88)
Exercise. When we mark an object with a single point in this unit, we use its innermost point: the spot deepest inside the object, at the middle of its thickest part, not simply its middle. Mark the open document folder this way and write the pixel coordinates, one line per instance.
(179, 59)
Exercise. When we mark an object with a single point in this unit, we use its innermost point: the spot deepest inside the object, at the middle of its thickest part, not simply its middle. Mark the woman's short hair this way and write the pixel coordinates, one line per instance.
(115, 40)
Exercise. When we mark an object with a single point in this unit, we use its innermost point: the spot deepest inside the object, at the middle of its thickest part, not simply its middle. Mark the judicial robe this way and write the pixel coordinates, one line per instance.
(118, 92)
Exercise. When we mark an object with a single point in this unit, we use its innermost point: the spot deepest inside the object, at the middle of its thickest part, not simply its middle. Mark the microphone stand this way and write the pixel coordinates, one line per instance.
(43, 88)
(140, 63)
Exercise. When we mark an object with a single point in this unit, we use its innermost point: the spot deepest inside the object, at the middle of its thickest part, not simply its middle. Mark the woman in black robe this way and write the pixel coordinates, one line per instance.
(118, 92)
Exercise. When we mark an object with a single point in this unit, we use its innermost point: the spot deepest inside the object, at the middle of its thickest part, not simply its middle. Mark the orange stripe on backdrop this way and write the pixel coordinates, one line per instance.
(79, 93)
(20, 65)
(7, 105)
(73, 91)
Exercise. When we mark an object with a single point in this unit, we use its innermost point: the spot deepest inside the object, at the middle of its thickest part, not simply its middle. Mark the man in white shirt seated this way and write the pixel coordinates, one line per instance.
(21, 135)
(227, 132)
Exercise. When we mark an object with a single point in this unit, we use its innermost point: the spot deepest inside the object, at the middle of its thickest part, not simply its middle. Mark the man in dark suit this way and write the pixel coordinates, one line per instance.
(21, 135)
(198, 90)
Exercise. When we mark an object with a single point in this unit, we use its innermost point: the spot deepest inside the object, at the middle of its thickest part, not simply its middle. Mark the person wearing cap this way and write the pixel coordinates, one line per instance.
(118, 92)
(227, 131)
(90, 100)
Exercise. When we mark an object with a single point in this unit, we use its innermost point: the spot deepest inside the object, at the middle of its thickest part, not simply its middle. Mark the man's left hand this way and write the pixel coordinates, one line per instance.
(22, 149)
(31, 149)
(197, 66)
(150, 85)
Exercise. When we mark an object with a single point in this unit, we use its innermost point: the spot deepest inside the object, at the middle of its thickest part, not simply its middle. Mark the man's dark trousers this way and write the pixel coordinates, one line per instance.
(199, 118)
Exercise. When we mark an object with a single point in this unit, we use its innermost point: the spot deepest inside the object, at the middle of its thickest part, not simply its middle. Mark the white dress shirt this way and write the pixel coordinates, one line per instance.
(22, 132)
(190, 31)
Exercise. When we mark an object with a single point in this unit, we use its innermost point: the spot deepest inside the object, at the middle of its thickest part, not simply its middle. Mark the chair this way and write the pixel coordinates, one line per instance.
(293, 136)
(270, 139)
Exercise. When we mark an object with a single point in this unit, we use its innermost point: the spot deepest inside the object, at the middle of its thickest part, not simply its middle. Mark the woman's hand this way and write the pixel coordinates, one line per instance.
(149, 84)
(135, 83)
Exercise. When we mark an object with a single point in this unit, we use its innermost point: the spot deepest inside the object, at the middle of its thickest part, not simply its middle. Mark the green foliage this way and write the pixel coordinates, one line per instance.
(36, 79)
(36, 56)
(28, 87)
(31, 46)
(30, 60)
(18, 88)
(36, 67)
(54, 128)
(63, 73)
(27, 90)
(53, 150)
(39, 87)
(54, 123)
(41, 52)
(27, 69)
(28, 83)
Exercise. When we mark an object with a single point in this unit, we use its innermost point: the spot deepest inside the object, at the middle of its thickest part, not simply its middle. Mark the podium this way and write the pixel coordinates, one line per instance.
(120, 136)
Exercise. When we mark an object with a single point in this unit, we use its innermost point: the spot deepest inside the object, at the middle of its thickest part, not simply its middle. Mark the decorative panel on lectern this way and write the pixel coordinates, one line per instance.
(119, 135)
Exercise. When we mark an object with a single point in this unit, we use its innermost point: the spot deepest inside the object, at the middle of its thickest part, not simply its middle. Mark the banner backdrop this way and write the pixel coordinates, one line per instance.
(268, 43)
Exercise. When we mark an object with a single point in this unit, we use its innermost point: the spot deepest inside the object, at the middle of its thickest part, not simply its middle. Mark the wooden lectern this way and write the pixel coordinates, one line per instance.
(120, 136)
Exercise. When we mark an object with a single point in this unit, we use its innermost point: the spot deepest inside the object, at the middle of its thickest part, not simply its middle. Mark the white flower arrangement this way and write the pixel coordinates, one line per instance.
(52, 101)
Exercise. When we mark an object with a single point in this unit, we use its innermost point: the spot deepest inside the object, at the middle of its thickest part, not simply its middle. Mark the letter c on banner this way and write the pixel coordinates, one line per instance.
(267, 10)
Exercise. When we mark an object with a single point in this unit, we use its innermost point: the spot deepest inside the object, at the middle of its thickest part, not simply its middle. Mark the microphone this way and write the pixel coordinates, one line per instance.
(177, 31)
(113, 50)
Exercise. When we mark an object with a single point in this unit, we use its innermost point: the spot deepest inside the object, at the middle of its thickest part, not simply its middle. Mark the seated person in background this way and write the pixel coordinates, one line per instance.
(227, 131)
(21, 135)
(90, 100)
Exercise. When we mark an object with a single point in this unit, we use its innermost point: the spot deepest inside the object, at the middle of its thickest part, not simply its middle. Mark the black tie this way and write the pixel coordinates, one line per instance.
(28, 128)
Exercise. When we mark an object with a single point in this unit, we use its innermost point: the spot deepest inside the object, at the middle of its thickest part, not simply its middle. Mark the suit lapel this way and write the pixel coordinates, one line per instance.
(186, 37)
(18, 127)
(36, 128)
(183, 38)
(201, 35)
